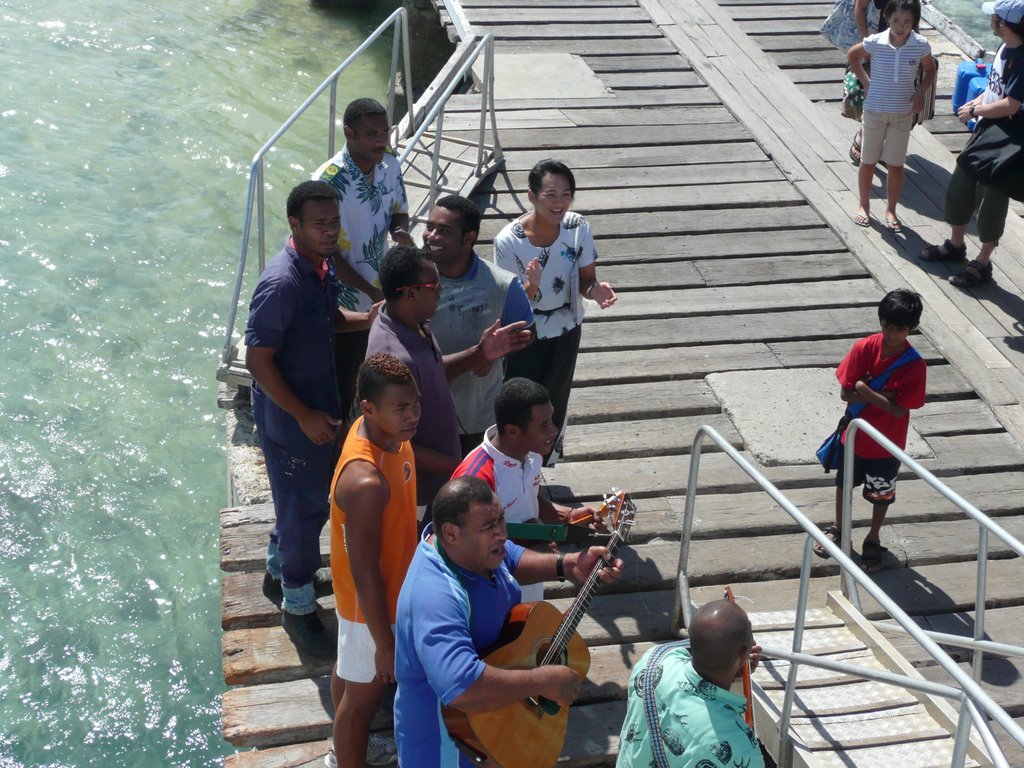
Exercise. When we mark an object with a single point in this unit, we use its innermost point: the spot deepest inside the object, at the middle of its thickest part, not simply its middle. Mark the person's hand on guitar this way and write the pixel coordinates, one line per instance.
(558, 684)
(587, 516)
(754, 659)
(580, 564)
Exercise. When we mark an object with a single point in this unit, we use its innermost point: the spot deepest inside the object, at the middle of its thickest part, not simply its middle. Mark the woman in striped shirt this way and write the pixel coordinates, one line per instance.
(891, 101)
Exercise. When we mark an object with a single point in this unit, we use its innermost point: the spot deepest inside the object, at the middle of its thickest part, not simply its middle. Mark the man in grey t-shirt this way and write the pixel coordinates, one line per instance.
(476, 293)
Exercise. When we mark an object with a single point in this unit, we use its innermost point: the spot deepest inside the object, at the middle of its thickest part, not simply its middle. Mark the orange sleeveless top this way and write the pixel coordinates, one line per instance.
(398, 523)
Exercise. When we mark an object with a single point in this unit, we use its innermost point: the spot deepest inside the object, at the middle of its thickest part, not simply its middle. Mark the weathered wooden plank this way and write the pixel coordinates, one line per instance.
(678, 222)
(507, 182)
(567, 30)
(784, 27)
(667, 475)
(828, 92)
(678, 198)
(724, 245)
(828, 353)
(617, 136)
(726, 300)
(785, 43)
(829, 75)
(588, 442)
(600, 367)
(478, 6)
(955, 417)
(537, 16)
(625, 81)
(309, 754)
(772, 11)
(588, 46)
(1000, 679)
(639, 63)
(596, 405)
(755, 271)
(683, 154)
(708, 115)
(767, 326)
(680, 97)
(825, 57)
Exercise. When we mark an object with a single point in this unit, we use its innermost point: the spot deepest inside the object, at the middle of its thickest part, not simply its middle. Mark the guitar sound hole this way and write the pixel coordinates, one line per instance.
(542, 649)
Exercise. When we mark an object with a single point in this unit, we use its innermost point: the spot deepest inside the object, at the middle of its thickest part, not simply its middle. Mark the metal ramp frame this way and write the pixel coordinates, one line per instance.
(432, 163)
(834, 691)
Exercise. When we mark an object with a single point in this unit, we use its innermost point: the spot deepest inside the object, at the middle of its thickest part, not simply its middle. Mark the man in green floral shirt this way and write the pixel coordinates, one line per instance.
(373, 206)
(700, 721)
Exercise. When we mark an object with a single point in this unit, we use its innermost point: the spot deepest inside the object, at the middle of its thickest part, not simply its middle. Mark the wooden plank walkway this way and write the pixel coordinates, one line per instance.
(726, 203)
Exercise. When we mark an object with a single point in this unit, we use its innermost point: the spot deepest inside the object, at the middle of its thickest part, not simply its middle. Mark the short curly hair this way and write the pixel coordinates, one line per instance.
(377, 372)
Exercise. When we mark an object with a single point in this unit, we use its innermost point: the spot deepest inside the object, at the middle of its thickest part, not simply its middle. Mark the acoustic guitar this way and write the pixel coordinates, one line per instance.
(530, 733)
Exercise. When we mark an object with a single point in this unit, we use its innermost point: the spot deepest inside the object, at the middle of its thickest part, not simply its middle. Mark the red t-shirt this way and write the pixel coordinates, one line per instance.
(864, 362)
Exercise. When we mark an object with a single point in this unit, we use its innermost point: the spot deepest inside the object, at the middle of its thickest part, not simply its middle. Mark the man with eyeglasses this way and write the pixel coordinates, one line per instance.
(412, 286)
(476, 293)
(373, 205)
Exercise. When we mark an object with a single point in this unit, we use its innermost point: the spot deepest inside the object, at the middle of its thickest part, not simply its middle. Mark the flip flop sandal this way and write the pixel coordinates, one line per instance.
(976, 273)
(836, 535)
(894, 225)
(861, 220)
(945, 252)
(855, 152)
(871, 556)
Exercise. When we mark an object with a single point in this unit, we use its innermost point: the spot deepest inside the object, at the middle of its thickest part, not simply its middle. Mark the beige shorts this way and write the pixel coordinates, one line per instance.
(355, 652)
(885, 136)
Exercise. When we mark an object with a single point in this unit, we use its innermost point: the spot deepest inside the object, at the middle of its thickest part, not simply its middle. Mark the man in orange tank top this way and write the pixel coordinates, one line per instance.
(373, 538)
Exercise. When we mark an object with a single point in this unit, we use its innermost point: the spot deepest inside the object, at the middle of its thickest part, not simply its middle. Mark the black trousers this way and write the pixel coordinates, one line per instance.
(349, 353)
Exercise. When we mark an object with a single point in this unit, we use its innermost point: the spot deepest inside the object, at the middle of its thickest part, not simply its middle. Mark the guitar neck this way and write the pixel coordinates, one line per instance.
(578, 609)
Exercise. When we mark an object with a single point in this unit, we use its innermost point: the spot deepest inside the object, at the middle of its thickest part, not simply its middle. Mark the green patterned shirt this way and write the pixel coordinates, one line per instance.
(701, 724)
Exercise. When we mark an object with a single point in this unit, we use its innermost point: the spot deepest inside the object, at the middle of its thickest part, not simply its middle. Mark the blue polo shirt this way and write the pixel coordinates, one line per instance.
(292, 311)
(444, 619)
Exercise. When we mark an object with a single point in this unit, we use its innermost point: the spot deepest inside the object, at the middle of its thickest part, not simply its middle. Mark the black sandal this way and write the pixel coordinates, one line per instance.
(945, 252)
(837, 537)
(871, 556)
(976, 273)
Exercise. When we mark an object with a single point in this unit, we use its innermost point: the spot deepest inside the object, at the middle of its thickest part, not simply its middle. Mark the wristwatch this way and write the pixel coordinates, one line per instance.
(971, 111)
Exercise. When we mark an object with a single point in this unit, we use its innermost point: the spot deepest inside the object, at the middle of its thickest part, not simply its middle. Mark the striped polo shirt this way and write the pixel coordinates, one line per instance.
(893, 71)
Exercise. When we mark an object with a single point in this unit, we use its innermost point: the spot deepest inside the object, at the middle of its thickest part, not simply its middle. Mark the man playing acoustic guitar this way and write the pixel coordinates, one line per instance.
(460, 587)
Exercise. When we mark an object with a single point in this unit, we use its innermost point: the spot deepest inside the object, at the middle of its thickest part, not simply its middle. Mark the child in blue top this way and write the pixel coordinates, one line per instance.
(891, 101)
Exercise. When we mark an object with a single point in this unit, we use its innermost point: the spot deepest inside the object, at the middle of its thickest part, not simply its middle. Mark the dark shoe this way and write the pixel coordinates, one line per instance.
(976, 273)
(322, 586)
(833, 533)
(945, 252)
(871, 556)
(309, 634)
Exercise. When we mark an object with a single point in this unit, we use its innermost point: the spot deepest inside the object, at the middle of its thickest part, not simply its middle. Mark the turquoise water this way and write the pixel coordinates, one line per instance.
(967, 13)
(126, 130)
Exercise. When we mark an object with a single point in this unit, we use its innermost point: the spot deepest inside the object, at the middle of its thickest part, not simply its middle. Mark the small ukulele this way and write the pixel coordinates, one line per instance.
(530, 733)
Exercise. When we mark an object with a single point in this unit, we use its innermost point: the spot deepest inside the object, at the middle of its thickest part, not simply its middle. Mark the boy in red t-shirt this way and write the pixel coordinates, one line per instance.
(888, 411)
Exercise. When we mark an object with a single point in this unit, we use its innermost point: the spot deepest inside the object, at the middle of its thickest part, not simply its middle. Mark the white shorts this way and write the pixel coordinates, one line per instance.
(355, 652)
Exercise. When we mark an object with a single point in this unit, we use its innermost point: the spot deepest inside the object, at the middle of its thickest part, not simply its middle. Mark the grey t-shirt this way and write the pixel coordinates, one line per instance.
(467, 306)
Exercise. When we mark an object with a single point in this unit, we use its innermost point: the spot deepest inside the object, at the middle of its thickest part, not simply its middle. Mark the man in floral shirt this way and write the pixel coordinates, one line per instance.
(373, 205)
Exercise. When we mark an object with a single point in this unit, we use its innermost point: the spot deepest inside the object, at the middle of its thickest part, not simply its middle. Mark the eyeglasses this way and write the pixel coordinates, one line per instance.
(434, 286)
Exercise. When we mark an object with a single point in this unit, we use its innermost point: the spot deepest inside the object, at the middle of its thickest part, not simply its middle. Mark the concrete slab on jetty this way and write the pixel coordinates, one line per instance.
(715, 175)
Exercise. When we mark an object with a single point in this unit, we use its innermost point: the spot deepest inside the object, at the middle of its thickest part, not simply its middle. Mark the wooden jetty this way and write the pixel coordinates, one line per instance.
(714, 172)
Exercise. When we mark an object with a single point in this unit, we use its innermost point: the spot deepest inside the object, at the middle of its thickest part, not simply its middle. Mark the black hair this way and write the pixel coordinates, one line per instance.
(401, 266)
(901, 308)
(308, 190)
(452, 502)
(360, 108)
(377, 372)
(555, 167)
(913, 7)
(469, 214)
(514, 404)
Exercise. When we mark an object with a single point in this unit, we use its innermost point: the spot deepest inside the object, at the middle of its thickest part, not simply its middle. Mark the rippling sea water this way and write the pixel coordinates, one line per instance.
(126, 130)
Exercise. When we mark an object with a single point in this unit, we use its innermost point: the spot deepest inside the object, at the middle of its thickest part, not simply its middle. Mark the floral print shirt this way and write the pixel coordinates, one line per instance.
(557, 305)
(368, 204)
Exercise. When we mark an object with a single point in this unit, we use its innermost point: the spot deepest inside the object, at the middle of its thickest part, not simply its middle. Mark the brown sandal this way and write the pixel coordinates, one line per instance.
(945, 252)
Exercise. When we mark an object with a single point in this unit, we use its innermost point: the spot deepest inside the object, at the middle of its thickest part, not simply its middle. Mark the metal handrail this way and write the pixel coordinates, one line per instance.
(683, 609)
(487, 108)
(254, 198)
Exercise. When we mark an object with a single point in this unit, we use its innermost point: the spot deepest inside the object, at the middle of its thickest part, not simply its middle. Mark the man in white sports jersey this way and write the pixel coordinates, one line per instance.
(509, 460)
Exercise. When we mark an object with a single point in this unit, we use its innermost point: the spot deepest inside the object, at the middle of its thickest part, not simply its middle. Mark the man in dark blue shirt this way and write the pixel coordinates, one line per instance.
(289, 352)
